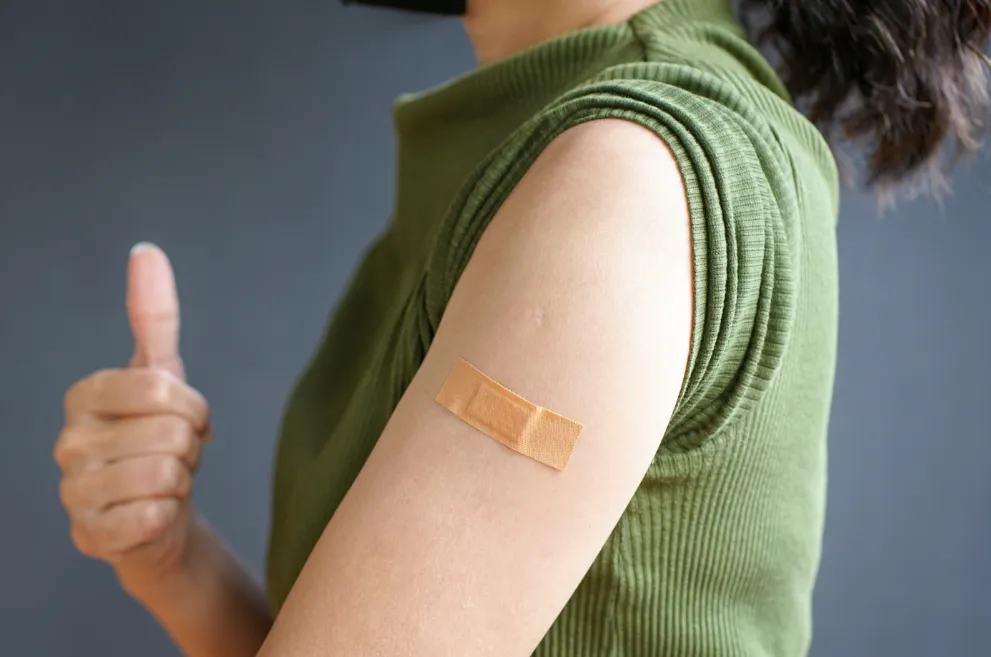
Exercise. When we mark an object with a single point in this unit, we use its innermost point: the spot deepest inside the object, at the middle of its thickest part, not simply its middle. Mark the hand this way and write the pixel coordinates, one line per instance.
(132, 439)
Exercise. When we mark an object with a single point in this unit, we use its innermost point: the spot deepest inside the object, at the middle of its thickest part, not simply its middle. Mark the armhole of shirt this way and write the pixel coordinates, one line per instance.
(740, 196)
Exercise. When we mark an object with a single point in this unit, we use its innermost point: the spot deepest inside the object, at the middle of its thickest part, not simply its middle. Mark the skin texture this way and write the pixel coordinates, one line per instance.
(578, 297)
(450, 544)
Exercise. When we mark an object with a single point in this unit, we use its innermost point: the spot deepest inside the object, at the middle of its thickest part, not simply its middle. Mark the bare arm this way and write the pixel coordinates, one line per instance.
(212, 606)
(578, 298)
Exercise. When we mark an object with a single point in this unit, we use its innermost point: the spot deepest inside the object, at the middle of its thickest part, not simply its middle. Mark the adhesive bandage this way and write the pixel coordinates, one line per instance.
(507, 418)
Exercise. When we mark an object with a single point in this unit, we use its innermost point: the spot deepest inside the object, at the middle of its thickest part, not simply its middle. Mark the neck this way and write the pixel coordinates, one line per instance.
(500, 28)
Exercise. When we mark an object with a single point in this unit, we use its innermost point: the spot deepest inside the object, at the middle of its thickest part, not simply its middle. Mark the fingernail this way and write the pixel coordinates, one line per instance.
(141, 246)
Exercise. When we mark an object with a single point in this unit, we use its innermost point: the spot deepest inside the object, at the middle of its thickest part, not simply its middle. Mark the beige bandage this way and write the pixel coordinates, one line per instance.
(508, 418)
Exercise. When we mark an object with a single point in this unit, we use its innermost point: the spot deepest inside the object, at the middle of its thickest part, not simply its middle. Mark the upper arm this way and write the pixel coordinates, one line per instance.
(578, 297)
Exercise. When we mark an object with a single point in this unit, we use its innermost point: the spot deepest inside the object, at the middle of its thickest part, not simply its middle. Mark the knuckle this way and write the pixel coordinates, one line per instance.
(171, 475)
(73, 396)
(63, 450)
(177, 433)
(67, 494)
(70, 445)
(155, 517)
(185, 445)
(97, 382)
(201, 409)
(180, 437)
(85, 390)
(158, 389)
(79, 494)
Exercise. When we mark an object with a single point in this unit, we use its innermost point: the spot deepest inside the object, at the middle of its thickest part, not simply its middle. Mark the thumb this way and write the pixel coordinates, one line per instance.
(153, 309)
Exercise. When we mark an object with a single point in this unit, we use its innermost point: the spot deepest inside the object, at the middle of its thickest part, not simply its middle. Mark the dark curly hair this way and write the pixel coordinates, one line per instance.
(900, 78)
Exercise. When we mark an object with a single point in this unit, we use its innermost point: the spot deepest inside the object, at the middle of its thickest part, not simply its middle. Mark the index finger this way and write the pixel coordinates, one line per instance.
(135, 392)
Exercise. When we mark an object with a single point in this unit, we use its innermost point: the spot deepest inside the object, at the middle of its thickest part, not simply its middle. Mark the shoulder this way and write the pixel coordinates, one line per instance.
(593, 240)
(579, 290)
(608, 178)
(616, 156)
(654, 185)
(598, 220)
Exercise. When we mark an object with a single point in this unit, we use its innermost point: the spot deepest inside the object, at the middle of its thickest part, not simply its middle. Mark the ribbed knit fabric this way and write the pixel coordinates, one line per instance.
(717, 553)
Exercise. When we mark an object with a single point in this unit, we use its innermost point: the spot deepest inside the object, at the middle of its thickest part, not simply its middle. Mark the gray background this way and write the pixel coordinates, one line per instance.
(253, 141)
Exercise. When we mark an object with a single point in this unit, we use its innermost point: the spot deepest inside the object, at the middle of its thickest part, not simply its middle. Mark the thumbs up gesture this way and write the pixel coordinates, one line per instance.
(153, 311)
(132, 438)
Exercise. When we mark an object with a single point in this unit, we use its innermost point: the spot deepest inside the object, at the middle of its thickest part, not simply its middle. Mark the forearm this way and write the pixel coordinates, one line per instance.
(212, 607)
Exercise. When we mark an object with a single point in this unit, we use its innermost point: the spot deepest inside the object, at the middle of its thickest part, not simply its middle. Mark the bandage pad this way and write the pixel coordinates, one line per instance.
(506, 417)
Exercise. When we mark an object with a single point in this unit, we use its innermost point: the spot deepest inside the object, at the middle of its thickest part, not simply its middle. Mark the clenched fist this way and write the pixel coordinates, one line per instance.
(132, 439)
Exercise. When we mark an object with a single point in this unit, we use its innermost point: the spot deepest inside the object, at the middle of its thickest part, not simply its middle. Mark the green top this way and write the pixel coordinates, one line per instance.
(718, 550)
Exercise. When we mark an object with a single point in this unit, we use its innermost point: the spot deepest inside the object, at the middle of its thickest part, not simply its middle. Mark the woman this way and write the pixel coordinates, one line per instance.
(619, 217)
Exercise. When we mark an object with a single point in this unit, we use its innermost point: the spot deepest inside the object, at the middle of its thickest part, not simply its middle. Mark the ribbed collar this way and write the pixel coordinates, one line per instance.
(544, 68)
